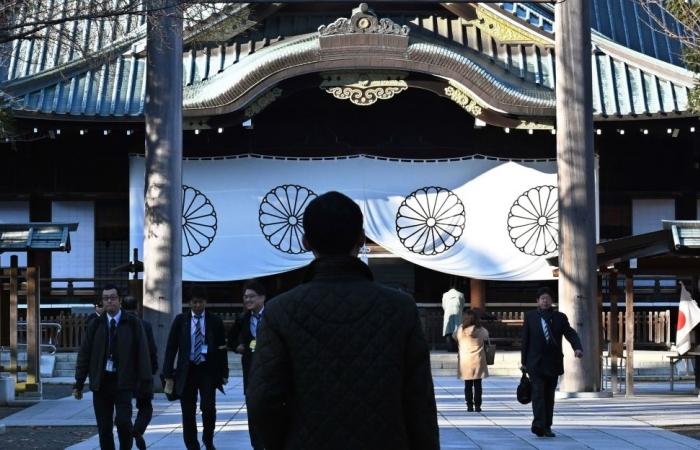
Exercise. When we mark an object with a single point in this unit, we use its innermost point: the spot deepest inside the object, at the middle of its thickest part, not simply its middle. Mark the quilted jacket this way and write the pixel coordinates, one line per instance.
(341, 363)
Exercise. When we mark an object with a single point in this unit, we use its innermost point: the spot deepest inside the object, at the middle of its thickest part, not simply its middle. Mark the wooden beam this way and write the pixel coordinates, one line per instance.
(14, 294)
(576, 175)
(612, 331)
(629, 335)
(477, 294)
(33, 330)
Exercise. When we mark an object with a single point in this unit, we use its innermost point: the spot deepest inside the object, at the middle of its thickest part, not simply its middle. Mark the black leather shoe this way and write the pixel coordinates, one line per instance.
(139, 441)
(478, 409)
(548, 433)
(470, 407)
(538, 431)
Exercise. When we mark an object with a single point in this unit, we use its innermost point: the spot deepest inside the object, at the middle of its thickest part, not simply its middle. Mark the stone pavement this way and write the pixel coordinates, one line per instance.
(613, 423)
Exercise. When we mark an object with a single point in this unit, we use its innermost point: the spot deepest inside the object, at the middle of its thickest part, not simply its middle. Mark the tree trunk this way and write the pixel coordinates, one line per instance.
(575, 165)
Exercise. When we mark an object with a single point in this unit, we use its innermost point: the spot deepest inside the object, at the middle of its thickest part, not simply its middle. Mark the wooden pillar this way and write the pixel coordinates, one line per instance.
(4, 310)
(33, 330)
(14, 297)
(577, 218)
(612, 332)
(629, 334)
(477, 294)
(162, 298)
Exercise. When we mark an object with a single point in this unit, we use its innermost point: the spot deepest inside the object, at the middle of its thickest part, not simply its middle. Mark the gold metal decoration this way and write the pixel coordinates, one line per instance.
(366, 88)
(262, 102)
(526, 125)
(363, 21)
(463, 99)
(504, 30)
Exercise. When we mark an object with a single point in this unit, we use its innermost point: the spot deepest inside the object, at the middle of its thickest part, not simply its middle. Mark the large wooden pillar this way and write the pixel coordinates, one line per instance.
(162, 297)
(577, 218)
(477, 295)
(629, 334)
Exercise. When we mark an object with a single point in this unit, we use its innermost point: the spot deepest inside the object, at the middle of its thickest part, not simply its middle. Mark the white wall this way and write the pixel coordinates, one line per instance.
(647, 214)
(80, 262)
(13, 212)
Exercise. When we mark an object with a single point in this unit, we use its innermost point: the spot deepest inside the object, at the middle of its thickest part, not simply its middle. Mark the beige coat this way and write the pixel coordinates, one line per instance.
(471, 357)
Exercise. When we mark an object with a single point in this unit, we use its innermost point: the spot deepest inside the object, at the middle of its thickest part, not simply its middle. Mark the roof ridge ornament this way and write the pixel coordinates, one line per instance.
(363, 21)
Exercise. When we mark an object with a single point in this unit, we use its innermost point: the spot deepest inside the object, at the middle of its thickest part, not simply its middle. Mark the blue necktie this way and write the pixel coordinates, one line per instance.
(198, 340)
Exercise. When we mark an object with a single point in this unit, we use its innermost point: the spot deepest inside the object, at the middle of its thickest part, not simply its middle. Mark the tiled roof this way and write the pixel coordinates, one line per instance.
(627, 83)
(623, 21)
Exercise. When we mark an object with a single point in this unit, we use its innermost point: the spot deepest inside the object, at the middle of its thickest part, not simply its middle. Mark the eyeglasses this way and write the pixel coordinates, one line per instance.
(112, 297)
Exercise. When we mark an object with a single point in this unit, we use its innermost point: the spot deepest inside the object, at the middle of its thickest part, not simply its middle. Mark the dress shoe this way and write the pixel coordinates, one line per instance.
(478, 409)
(139, 441)
(470, 407)
(548, 433)
(538, 431)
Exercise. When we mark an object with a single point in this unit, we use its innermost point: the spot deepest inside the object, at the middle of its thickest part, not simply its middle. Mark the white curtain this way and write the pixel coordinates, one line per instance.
(476, 217)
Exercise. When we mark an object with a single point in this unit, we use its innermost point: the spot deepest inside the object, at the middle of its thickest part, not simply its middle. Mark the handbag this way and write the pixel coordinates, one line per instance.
(524, 391)
(490, 350)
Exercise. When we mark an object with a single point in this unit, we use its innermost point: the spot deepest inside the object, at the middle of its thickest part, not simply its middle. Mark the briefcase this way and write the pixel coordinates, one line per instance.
(524, 392)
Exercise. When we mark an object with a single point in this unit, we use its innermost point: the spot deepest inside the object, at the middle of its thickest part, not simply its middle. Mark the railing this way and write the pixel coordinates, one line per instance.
(651, 328)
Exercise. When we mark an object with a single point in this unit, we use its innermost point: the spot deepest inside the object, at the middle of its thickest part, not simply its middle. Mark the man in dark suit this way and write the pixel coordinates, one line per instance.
(341, 361)
(199, 341)
(116, 357)
(543, 359)
(97, 313)
(242, 340)
(144, 403)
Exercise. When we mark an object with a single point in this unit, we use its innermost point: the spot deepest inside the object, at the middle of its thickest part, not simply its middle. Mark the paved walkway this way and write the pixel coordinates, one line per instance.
(615, 423)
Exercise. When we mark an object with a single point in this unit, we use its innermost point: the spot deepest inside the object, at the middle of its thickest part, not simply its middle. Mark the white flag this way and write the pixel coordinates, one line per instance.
(688, 318)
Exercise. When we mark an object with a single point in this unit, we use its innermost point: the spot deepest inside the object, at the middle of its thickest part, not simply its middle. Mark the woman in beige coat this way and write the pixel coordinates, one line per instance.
(471, 338)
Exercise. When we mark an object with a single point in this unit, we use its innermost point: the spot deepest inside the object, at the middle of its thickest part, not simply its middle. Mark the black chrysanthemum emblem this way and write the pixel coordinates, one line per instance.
(430, 220)
(281, 217)
(533, 221)
(198, 221)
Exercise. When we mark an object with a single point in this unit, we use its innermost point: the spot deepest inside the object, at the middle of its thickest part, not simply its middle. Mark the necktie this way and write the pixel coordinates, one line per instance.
(255, 326)
(112, 337)
(198, 340)
(545, 328)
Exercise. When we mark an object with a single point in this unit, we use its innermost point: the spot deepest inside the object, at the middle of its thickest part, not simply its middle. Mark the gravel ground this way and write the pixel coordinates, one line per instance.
(44, 438)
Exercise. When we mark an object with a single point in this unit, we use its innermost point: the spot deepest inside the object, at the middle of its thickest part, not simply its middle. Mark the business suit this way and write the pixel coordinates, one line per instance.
(143, 401)
(241, 334)
(191, 378)
(544, 360)
(112, 391)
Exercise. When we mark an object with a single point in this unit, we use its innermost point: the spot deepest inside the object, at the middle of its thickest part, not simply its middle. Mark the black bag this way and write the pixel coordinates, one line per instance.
(524, 392)
(490, 350)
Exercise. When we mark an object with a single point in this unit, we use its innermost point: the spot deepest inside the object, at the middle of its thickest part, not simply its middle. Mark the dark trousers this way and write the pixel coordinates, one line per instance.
(144, 414)
(199, 380)
(105, 402)
(254, 431)
(543, 387)
(472, 392)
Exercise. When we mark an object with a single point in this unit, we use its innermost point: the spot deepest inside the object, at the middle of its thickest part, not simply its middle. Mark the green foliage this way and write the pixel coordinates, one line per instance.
(7, 123)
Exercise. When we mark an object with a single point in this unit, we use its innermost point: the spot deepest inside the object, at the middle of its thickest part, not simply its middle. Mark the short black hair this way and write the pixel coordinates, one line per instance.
(255, 285)
(332, 223)
(109, 287)
(544, 290)
(197, 292)
(129, 303)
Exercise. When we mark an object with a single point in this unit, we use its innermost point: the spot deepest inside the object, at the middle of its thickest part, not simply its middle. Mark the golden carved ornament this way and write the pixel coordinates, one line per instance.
(463, 99)
(505, 31)
(366, 88)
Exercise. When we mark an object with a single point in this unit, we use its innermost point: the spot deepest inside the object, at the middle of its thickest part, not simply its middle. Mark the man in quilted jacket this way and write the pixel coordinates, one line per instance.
(341, 361)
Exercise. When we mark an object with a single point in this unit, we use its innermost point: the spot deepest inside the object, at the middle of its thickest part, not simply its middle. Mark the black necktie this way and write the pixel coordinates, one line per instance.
(112, 337)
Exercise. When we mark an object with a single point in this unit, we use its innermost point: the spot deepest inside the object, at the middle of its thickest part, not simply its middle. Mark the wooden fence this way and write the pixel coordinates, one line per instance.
(652, 328)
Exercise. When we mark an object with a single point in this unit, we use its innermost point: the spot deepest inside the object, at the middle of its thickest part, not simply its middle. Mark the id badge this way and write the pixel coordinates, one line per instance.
(109, 367)
(204, 349)
(252, 345)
